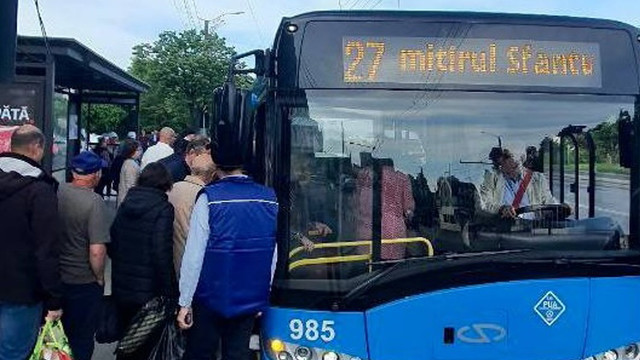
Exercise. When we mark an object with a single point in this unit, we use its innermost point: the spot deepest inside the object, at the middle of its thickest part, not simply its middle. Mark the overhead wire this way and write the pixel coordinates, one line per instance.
(195, 8)
(180, 14)
(367, 3)
(343, 4)
(355, 3)
(189, 14)
(255, 20)
(43, 29)
(376, 4)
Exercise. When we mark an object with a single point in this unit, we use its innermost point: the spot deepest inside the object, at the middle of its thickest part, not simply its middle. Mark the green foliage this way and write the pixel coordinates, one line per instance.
(104, 118)
(605, 138)
(182, 69)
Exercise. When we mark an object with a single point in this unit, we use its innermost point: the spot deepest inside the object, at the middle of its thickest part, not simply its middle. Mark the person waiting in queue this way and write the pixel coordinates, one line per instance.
(141, 250)
(509, 187)
(227, 265)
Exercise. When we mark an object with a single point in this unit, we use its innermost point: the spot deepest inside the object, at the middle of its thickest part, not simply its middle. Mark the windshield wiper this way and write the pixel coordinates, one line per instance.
(576, 261)
(451, 256)
(360, 289)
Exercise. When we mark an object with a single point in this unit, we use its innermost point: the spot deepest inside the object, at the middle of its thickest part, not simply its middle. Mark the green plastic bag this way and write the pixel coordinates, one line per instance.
(52, 343)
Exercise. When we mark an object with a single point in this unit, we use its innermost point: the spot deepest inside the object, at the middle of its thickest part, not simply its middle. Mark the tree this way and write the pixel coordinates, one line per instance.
(182, 69)
(104, 118)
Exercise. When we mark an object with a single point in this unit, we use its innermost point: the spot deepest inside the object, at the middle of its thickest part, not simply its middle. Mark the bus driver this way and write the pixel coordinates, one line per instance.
(508, 187)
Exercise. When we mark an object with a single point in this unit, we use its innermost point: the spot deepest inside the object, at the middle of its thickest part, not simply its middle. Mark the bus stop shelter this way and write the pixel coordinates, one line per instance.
(54, 79)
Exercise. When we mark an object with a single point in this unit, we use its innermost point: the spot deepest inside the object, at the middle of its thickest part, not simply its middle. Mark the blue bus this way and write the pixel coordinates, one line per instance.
(452, 185)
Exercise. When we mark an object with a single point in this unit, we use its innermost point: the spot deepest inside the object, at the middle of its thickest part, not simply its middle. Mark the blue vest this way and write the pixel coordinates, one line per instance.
(236, 273)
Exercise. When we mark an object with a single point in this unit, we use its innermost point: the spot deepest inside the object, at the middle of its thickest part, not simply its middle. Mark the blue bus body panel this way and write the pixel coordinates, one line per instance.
(350, 337)
(503, 321)
(421, 322)
(614, 319)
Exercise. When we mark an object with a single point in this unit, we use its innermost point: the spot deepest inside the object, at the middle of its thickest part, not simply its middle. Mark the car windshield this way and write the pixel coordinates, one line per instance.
(450, 172)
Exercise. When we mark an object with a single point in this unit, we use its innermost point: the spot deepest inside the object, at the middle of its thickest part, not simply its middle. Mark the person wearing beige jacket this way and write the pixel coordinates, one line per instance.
(183, 198)
(501, 184)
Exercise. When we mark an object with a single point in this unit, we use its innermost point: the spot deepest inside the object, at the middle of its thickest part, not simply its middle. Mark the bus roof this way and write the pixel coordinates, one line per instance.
(319, 45)
(462, 16)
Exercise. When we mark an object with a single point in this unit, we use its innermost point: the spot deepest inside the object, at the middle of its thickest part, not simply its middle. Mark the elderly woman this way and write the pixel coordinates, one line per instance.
(130, 169)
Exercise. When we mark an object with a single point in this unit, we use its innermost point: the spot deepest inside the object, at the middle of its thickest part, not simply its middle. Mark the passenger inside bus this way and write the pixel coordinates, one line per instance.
(307, 210)
(397, 204)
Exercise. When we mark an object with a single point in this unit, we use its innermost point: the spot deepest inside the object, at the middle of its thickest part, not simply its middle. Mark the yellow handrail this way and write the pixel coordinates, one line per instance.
(366, 242)
(328, 260)
(351, 258)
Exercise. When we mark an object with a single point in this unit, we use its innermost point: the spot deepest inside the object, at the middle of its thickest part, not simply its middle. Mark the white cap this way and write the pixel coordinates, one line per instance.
(131, 135)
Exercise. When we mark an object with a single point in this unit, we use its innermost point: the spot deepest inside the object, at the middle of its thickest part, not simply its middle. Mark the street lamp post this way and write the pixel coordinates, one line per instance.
(218, 20)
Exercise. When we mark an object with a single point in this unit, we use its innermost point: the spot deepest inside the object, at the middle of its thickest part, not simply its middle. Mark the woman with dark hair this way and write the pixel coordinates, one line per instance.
(130, 170)
(141, 248)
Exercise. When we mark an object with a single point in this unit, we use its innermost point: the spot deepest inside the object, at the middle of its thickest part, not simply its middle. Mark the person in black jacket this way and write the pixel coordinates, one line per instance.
(29, 257)
(179, 163)
(141, 247)
(105, 180)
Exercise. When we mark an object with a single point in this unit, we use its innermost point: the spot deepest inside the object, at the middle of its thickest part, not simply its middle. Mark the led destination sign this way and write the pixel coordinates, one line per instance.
(471, 61)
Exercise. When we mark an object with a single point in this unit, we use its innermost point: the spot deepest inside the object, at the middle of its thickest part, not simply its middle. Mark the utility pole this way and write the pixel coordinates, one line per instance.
(8, 39)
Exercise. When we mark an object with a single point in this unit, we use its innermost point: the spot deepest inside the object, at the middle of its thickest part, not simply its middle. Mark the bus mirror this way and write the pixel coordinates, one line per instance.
(224, 118)
(260, 68)
(216, 111)
(625, 139)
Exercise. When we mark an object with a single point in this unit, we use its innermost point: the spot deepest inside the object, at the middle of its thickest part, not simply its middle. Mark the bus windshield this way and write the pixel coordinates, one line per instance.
(431, 173)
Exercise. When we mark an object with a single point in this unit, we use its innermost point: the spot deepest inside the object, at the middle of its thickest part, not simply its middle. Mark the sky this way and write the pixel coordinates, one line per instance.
(113, 27)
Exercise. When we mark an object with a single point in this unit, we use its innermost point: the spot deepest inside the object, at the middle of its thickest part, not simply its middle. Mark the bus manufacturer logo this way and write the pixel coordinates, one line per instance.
(550, 308)
(481, 333)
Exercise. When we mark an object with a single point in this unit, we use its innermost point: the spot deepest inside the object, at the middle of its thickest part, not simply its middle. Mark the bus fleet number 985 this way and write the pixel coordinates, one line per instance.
(312, 330)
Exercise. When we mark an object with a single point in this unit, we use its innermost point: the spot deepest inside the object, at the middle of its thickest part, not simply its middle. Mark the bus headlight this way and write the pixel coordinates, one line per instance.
(631, 352)
(277, 346)
(330, 355)
(281, 350)
(303, 353)
(610, 355)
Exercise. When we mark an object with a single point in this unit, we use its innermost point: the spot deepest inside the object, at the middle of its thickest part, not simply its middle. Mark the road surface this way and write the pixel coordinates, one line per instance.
(612, 197)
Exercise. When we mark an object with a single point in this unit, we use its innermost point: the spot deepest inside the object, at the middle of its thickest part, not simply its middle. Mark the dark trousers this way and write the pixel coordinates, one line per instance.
(81, 307)
(105, 182)
(209, 330)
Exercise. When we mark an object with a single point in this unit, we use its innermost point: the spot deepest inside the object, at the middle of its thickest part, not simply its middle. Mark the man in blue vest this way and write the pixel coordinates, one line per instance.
(226, 268)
